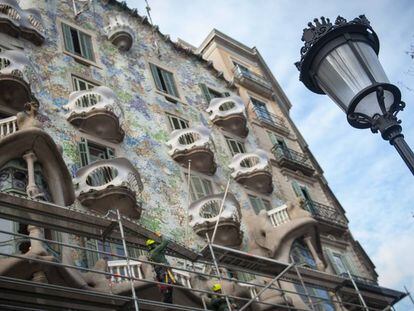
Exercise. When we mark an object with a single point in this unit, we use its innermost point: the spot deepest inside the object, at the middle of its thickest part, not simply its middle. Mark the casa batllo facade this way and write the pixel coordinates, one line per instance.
(101, 111)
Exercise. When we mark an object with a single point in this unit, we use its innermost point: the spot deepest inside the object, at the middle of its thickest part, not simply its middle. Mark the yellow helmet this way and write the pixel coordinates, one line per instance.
(149, 242)
(216, 287)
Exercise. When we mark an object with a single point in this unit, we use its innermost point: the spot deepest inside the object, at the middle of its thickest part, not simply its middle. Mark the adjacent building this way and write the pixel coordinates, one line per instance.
(100, 112)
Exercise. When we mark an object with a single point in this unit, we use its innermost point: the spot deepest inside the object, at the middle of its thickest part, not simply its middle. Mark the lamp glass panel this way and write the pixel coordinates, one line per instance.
(369, 104)
(341, 74)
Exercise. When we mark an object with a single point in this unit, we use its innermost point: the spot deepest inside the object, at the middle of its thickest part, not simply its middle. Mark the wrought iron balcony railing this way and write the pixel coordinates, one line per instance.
(325, 213)
(292, 159)
(241, 74)
(264, 116)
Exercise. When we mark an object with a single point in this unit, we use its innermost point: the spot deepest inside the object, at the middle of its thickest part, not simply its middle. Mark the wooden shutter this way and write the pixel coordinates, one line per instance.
(255, 203)
(297, 189)
(206, 92)
(67, 37)
(84, 152)
(349, 263)
(331, 259)
(156, 76)
(169, 83)
(86, 46)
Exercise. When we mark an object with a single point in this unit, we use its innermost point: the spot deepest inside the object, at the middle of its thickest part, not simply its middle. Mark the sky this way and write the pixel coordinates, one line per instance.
(365, 172)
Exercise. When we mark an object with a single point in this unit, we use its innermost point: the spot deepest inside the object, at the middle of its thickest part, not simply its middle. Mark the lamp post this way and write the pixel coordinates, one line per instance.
(341, 60)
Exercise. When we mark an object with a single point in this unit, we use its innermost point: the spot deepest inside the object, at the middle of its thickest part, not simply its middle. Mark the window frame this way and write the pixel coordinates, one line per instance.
(180, 120)
(207, 91)
(265, 203)
(194, 194)
(84, 151)
(79, 58)
(87, 81)
(241, 147)
(174, 98)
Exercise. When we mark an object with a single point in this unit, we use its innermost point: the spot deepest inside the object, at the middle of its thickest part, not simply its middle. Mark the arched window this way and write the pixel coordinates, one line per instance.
(321, 301)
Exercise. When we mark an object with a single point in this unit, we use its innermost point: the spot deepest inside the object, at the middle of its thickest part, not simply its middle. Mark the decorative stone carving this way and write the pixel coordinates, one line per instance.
(193, 144)
(120, 33)
(96, 112)
(28, 118)
(205, 212)
(253, 170)
(230, 114)
(16, 22)
(108, 184)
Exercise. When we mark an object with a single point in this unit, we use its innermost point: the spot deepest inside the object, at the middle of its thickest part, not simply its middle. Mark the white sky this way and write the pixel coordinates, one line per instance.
(365, 172)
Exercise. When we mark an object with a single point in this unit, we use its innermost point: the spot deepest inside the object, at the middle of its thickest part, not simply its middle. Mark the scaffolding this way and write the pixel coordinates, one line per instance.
(21, 293)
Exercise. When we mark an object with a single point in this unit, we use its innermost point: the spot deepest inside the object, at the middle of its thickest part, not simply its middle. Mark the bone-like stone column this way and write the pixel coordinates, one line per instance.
(32, 189)
(32, 192)
(318, 261)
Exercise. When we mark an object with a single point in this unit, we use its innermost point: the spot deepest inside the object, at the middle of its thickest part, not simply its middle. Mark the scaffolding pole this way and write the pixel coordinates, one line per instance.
(221, 211)
(267, 286)
(361, 299)
(409, 294)
(121, 229)
(187, 212)
(217, 269)
(304, 287)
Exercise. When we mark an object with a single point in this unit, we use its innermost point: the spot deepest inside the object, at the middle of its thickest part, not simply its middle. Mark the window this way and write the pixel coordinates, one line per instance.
(301, 254)
(91, 152)
(164, 80)
(242, 67)
(261, 111)
(259, 204)
(199, 187)
(210, 93)
(235, 146)
(341, 263)
(321, 300)
(302, 192)
(177, 123)
(277, 141)
(80, 84)
(78, 42)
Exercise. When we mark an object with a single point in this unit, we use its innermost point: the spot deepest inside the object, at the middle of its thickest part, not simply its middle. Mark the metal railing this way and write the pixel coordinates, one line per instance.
(284, 153)
(240, 73)
(8, 126)
(263, 115)
(325, 213)
(279, 215)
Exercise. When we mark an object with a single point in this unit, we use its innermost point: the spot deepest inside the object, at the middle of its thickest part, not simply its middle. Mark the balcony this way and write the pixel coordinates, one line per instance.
(279, 215)
(204, 214)
(292, 160)
(229, 113)
(253, 81)
(96, 112)
(193, 144)
(270, 120)
(325, 214)
(8, 126)
(120, 33)
(253, 171)
(108, 184)
(120, 268)
(14, 83)
(17, 22)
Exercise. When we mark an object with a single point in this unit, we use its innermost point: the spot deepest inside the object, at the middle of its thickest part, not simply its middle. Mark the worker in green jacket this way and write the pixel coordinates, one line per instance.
(218, 302)
(156, 254)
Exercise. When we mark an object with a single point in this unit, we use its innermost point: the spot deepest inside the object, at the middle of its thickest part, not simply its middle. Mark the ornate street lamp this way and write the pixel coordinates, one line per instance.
(341, 60)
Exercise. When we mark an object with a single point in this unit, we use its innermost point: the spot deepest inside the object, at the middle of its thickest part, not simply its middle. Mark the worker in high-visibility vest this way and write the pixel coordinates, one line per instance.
(156, 253)
(219, 303)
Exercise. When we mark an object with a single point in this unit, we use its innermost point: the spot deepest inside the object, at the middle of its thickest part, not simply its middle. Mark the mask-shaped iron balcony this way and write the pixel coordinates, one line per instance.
(253, 171)
(17, 22)
(120, 33)
(229, 113)
(96, 112)
(108, 184)
(193, 144)
(203, 217)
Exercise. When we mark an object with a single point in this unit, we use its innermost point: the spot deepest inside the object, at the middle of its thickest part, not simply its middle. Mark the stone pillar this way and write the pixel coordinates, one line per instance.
(37, 248)
(31, 189)
(309, 244)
